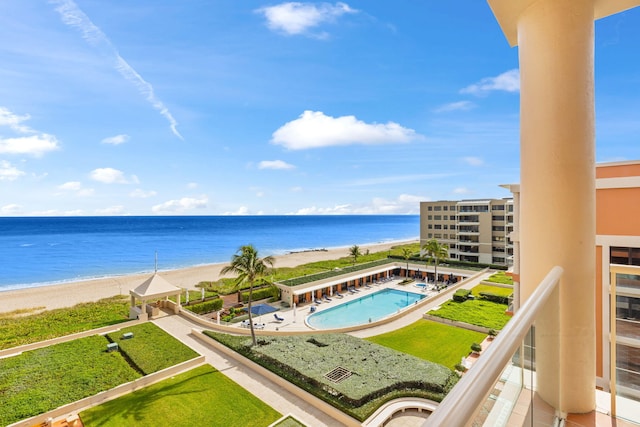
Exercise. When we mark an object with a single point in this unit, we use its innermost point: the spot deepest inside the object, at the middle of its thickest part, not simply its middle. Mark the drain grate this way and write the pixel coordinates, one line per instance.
(338, 374)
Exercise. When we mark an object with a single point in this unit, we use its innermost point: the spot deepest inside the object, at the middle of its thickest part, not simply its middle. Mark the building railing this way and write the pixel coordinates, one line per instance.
(464, 401)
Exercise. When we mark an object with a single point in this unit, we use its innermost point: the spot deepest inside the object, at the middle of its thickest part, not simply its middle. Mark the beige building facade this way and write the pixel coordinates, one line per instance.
(474, 230)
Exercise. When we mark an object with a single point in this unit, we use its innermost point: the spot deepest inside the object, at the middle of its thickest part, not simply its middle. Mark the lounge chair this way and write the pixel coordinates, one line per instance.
(312, 309)
(339, 295)
(326, 298)
(351, 290)
(317, 301)
(278, 318)
(258, 325)
(244, 324)
(366, 285)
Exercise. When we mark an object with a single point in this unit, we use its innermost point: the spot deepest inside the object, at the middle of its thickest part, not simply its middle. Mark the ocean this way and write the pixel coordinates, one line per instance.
(37, 251)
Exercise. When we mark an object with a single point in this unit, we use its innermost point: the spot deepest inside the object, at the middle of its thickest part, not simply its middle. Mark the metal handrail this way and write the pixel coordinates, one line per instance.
(466, 397)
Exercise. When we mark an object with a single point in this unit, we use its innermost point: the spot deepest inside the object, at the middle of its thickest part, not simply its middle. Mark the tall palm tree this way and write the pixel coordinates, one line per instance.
(249, 269)
(435, 252)
(354, 252)
(406, 254)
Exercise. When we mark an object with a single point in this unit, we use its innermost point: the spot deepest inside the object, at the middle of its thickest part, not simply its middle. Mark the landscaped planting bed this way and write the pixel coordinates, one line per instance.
(433, 341)
(497, 290)
(19, 329)
(501, 277)
(475, 312)
(41, 380)
(151, 349)
(377, 373)
(199, 397)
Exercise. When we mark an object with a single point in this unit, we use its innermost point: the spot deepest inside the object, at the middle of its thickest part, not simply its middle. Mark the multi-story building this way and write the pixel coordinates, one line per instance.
(474, 230)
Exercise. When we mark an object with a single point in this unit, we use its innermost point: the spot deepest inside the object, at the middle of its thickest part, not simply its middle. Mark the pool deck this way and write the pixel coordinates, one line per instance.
(294, 320)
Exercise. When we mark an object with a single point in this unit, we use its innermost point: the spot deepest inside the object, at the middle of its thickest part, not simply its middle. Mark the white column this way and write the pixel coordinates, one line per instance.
(556, 42)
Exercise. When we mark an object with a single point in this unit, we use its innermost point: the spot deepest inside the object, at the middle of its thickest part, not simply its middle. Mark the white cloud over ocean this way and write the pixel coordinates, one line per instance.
(314, 129)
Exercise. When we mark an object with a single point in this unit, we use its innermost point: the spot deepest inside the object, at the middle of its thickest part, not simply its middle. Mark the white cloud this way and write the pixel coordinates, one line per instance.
(242, 210)
(182, 205)
(108, 176)
(116, 140)
(403, 204)
(298, 18)
(74, 17)
(473, 161)
(455, 106)
(509, 81)
(275, 164)
(12, 209)
(71, 186)
(192, 185)
(141, 194)
(112, 210)
(34, 145)
(314, 129)
(14, 122)
(461, 190)
(8, 172)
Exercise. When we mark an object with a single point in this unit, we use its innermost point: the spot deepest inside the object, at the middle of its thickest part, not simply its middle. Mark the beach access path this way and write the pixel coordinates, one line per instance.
(69, 294)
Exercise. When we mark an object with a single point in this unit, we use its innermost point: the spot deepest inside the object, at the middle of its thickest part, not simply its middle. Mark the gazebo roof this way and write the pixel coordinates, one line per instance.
(155, 287)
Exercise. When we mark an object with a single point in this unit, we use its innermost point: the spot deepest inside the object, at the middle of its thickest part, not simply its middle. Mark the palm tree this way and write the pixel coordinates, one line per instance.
(249, 269)
(354, 251)
(406, 254)
(435, 252)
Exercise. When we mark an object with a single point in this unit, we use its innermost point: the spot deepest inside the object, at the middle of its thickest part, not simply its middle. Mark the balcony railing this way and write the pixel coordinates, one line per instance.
(508, 356)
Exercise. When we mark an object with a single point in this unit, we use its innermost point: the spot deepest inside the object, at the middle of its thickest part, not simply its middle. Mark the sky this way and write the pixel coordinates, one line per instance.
(227, 107)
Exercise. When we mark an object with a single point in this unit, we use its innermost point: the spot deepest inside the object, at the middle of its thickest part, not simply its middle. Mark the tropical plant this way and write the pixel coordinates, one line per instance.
(435, 252)
(476, 348)
(406, 254)
(354, 252)
(249, 268)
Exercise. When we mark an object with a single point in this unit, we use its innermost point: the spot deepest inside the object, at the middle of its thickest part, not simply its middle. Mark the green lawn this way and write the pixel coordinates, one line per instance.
(431, 341)
(475, 312)
(199, 397)
(16, 328)
(501, 277)
(491, 289)
(40, 380)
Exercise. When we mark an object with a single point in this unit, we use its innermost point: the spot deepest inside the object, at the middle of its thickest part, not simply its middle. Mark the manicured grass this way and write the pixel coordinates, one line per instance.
(500, 277)
(476, 312)
(432, 341)
(151, 349)
(290, 422)
(41, 380)
(19, 329)
(491, 289)
(378, 373)
(199, 397)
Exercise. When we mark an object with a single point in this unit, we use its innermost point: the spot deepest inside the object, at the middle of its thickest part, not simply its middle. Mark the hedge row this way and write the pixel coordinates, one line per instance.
(461, 295)
(500, 299)
(206, 307)
(258, 294)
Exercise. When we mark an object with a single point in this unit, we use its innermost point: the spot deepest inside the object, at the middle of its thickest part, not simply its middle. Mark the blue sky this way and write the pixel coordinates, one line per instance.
(153, 107)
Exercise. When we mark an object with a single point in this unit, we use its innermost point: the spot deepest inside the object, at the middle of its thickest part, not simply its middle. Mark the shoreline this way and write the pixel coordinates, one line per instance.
(71, 293)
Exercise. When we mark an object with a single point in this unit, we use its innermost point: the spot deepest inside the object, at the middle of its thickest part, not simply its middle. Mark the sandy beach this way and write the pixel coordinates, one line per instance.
(69, 294)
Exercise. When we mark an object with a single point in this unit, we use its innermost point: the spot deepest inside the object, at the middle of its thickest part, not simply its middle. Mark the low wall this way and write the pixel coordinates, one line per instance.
(456, 323)
(245, 331)
(97, 399)
(293, 389)
(498, 285)
(22, 348)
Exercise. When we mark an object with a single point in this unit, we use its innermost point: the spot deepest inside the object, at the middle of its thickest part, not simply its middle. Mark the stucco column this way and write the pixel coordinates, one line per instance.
(556, 42)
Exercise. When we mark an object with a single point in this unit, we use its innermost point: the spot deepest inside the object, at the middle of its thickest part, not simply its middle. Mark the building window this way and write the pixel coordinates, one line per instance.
(497, 218)
(429, 235)
(437, 217)
(624, 256)
(446, 227)
(438, 227)
(497, 207)
(429, 208)
(444, 208)
(430, 217)
(437, 208)
(437, 236)
(497, 228)
(430, 226)
(452, 208)
(445, 217)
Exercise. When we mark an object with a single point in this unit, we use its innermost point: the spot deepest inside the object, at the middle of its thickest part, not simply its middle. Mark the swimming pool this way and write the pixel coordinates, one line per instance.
(367, 308)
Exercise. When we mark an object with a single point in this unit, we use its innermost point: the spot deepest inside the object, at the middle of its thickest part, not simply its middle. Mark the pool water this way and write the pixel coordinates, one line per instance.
(366, 309)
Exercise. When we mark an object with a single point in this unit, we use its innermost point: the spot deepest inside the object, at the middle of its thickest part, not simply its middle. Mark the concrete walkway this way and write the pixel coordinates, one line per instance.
(273, 395)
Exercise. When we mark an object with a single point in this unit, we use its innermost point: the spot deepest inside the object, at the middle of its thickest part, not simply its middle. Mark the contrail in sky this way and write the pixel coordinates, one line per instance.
(74, 17)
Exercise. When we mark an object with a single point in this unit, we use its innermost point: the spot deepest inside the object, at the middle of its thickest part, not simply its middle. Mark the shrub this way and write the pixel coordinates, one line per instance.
(460, 367)
(206, 307)
(493, 332)
(476, 347)
(258, 294)
(500, 299)
(461, 295)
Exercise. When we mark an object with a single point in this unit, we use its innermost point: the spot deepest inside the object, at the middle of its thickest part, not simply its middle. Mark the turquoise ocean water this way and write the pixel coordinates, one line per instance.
(37, 251)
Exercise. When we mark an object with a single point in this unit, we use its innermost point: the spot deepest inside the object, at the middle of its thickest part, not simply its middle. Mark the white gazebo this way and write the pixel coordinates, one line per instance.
(154, 288)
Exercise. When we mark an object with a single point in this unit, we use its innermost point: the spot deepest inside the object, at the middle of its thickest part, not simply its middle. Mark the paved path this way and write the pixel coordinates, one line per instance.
(270, 393)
